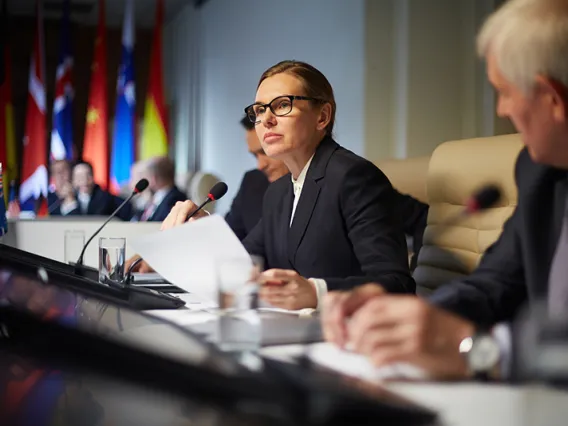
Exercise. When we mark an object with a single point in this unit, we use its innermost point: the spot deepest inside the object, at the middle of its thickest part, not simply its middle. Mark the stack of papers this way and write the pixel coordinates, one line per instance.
(187, 255)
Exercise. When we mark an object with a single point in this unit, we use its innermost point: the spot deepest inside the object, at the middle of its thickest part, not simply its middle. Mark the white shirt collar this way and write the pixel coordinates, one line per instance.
(299, 183)
(84, 200)
(160, 195)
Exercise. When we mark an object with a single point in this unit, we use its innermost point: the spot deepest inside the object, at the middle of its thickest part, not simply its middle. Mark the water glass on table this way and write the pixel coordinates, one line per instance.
(73, 245)
(239, 326)
(111, 261)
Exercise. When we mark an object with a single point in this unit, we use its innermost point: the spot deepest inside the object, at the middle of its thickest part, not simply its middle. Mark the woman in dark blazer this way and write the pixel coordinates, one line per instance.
(330, 224)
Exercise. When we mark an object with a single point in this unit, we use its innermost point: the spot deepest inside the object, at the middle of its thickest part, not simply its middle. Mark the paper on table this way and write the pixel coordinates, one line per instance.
(359, 366)
(186, 255)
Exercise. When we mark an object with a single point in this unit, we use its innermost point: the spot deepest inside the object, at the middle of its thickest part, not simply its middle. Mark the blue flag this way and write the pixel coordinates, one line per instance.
(62, 132)
(122, 155)
(3, 220)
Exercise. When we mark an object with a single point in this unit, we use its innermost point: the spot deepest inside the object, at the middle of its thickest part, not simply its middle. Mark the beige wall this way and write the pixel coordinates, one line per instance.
(424, 82)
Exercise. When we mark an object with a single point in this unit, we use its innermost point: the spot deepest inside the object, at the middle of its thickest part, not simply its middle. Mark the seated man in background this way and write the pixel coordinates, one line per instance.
(453, 334)
(246, 208)
(60, 175)
(160, 172)
(138, 170)
(88, 199)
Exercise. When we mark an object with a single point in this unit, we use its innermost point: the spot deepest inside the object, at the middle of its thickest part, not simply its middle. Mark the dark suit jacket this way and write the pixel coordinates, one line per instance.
(166, 205)
(102, 203)
(246, 209)
(515, 269)
(346, 229)
(53, 203)
(414, 215)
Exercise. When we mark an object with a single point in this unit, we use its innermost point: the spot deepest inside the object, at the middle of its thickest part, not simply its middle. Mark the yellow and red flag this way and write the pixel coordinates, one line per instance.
(155, 130)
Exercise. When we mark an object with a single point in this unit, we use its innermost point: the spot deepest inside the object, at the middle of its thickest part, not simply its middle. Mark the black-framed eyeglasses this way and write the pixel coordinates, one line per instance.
(280, 106)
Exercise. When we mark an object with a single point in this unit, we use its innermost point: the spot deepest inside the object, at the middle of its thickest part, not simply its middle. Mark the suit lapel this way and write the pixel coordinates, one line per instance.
(93, 202)
(162, 203)
(302, 216)
(309, 196)
(555, 229)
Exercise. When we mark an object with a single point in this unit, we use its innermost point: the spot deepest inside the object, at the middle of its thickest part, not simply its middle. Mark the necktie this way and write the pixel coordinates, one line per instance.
(558, 278)
(147, 213)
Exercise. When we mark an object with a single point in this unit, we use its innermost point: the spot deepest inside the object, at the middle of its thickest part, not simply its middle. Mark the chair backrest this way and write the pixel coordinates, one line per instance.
(457, 169)
(196, 186)
(407, 176)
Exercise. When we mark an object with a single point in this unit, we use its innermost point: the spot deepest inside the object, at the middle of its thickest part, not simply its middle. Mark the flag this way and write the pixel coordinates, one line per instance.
(62, 131)
(155, 131)
(95, 144)
(34, 168)
(122, 155)
(8, 150)
(3, 220)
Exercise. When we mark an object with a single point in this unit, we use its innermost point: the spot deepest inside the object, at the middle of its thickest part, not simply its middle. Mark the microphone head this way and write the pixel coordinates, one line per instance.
(217, 192)
(483, 199)
(141, 185)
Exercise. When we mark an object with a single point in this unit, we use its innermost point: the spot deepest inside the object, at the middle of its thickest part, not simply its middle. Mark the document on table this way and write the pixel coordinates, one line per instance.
(345, 362)
(187, 255)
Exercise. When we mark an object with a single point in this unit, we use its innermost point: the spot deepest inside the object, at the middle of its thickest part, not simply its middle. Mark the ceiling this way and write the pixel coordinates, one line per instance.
(86, 11)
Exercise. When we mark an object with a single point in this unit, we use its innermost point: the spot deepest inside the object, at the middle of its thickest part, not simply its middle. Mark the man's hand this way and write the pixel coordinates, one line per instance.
(179, 213)
(339, 306)
(141, 267)
(394, 328)
(287, 289)
(66, 193)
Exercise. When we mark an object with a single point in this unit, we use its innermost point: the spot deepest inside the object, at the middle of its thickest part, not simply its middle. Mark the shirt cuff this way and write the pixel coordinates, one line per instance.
(66, 208)
(502, 333)
(321, 290)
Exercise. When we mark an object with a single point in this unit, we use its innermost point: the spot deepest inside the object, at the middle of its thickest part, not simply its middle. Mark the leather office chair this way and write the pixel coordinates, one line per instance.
(407, 176)
(196, 186)
(456, 170)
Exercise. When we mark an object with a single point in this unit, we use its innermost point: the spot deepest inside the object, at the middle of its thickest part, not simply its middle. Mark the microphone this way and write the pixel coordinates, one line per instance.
(141, 185)
(216, 193)
(483, 199)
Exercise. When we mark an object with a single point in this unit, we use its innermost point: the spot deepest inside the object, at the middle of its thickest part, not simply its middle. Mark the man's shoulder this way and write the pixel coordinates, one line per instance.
(178, 194)
(254, 182)
(529, 173)
(254, 174)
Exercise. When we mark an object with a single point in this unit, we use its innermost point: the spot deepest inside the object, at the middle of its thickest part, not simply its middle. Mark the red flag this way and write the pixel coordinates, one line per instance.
(33, 188)
(95, 145)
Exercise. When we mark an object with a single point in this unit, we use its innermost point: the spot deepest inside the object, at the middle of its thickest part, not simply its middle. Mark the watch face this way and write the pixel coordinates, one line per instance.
(484, 354)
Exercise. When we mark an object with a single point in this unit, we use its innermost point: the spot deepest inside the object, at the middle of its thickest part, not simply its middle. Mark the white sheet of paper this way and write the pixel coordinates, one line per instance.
(187, 255)
(345, 362)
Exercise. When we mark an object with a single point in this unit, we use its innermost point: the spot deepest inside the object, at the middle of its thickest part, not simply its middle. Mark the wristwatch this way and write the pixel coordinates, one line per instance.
(482, 354)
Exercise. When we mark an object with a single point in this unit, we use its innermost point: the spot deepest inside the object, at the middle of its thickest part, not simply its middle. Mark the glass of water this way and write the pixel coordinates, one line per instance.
(239, 326)
(73, 245)
(111, 261)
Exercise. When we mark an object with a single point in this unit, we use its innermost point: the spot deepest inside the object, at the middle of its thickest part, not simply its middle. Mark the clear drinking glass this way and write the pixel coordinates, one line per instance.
(73, 245)
(111, 261)
(239, 326)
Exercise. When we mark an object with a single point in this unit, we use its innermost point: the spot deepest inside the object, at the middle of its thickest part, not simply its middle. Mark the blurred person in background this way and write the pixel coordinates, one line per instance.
(88, 199)
(246, 208)
(61, 187)
(164, 194)
(138, 170)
